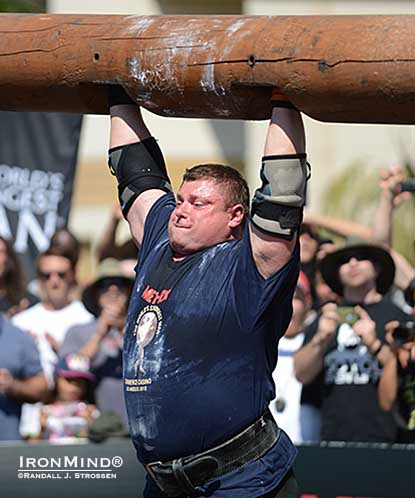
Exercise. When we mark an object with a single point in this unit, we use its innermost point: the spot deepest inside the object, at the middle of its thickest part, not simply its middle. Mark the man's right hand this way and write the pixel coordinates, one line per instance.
(118, 96)
(309, 359)
(327, 326)
(112, 316)
(128, 128)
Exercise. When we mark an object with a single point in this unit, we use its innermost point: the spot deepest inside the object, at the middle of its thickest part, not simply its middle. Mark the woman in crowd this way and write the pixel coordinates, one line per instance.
(13, 294)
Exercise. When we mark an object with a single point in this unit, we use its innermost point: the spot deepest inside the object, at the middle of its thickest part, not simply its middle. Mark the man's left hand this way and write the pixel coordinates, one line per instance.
(390, 180)
(365, 328)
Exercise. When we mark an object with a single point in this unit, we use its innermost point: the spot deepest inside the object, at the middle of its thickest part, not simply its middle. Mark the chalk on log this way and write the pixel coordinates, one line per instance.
(334, 68)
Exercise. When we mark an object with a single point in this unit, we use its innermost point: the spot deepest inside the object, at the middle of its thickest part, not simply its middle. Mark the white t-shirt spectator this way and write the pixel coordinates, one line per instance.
(41, 322)
(285, 407)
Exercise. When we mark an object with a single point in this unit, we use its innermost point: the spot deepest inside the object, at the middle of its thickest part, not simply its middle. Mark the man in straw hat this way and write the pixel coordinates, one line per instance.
(101, 340)
(213, 295)
(345, 347)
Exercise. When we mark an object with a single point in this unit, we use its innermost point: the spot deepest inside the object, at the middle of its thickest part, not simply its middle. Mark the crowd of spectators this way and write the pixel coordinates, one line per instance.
(61, 349)
(346, 368)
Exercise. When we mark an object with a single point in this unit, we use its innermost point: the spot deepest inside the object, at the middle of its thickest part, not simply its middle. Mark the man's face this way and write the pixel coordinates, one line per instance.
(115, 295)
(201, 218)
(72, 389)
(358, 272)
(56, 278)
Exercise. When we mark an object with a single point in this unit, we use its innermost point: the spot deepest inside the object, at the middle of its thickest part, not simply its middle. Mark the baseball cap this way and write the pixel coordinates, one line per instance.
(75, 366)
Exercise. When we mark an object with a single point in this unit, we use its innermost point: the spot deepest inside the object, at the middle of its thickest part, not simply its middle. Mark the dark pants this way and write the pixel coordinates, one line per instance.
(287, 488)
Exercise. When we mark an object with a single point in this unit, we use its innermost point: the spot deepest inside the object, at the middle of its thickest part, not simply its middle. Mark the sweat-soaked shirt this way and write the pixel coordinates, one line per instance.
(200, 348)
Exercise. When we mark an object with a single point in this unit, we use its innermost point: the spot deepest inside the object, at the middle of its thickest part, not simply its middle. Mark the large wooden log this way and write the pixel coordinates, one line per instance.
(334, 68)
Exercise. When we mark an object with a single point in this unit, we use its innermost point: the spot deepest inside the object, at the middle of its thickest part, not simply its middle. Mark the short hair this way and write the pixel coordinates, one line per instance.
(65, 239)
(56, 251)
(236, 188)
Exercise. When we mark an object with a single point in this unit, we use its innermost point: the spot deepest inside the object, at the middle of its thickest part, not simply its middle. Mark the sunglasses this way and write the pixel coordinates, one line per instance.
(45, 275)
(107, 282)
(358, 257)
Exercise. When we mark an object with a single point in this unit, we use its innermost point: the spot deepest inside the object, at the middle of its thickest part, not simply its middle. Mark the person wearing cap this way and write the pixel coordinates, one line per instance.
(345, 348)
(285, 407)
(71, 409)
(102, 340)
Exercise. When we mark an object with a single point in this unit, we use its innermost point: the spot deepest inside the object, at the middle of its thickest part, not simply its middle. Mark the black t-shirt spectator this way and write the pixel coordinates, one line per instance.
(348, 383)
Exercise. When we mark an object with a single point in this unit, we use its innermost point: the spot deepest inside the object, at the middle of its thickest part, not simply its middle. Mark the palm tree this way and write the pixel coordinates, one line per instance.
(32, 6)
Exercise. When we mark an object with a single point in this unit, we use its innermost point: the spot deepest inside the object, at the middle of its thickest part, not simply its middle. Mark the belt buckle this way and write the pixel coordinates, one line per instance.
(179, 490)
(150, 469)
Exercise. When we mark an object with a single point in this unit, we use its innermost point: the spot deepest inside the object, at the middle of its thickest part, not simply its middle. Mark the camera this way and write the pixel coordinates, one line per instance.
(347, 314)
(408, 185)
(404, 332)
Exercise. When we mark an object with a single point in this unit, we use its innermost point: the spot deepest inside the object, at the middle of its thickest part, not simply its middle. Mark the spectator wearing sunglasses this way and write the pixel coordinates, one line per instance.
(344, 350)
(50, 319)
(102, 340)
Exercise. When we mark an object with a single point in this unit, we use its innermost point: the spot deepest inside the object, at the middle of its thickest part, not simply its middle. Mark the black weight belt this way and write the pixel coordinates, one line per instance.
(186, 475)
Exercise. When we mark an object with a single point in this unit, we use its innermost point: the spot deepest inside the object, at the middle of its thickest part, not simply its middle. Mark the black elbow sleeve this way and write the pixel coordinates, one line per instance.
(138, 167)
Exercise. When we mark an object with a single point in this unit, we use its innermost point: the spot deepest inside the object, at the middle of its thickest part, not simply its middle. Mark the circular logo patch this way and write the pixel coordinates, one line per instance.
(147, 326)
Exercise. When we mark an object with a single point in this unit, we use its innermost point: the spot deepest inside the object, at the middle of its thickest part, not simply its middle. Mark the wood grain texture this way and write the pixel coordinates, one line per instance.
(334, 68)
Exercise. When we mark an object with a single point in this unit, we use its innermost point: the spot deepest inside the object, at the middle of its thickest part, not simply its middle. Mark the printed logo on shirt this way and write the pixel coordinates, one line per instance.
(152, 296)
(147, 326)
(351, 362)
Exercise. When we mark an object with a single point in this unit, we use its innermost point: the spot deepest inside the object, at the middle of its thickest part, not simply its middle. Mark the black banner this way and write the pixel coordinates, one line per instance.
(38, 154)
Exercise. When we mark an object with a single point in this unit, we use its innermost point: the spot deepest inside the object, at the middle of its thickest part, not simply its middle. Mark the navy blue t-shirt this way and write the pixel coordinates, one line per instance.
(200, 348)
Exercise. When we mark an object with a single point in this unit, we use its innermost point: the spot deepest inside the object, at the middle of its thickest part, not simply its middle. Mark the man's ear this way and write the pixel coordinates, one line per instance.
(236, 215)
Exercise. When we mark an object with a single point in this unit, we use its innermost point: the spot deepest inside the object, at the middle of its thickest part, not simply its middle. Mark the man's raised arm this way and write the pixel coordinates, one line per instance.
(136, 160)
(277, 206)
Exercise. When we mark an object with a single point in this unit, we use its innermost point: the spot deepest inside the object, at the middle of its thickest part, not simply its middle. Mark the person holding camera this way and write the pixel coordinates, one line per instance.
(397, 384)
(344, 349)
